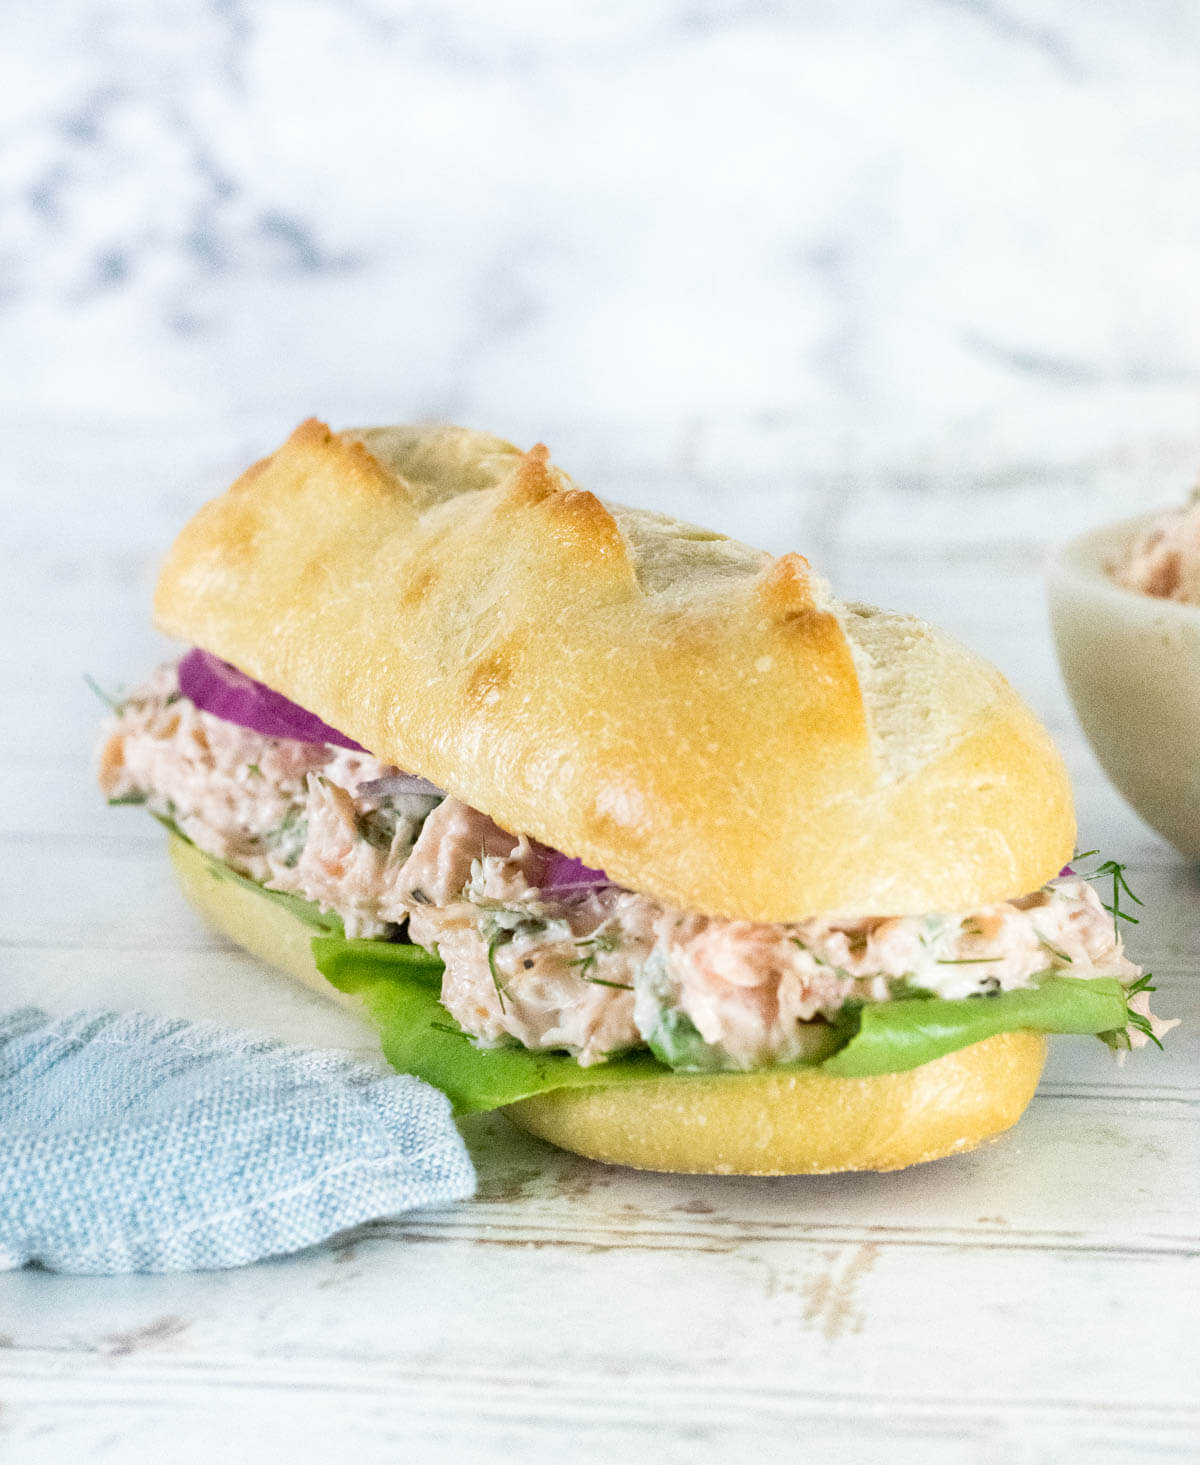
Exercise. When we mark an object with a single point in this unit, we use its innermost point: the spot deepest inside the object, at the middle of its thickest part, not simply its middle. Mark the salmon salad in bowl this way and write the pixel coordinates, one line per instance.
(1125, 609)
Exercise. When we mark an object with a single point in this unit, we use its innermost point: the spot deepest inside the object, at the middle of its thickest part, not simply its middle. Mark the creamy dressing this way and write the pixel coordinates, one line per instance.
(596, 971)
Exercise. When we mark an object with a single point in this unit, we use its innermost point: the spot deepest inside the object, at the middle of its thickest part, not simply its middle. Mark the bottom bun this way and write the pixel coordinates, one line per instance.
(256, 924)
(785, 1123)
(797, 1123)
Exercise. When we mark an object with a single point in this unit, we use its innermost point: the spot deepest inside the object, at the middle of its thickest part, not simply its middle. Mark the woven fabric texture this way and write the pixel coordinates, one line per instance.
(136, 1143)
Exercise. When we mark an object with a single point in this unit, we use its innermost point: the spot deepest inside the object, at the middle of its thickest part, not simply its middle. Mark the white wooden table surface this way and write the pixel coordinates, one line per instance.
(1036, 1301)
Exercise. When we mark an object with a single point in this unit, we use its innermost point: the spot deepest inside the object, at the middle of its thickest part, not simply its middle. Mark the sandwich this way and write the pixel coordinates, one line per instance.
(614, 823)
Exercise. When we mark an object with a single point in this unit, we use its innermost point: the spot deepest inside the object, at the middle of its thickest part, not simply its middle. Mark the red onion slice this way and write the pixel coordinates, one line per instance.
(563, 875)
(220, 689)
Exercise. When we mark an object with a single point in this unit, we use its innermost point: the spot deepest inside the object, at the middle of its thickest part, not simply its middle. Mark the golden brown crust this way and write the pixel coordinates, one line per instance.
(703, 722)
(743, 1124)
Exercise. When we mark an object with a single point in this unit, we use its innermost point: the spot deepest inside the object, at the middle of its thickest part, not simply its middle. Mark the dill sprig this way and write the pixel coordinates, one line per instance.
(1138, 1020)
(1119, 1037)
(1113, 870)
(444, 1027)
(1054, 951)
(114, 704)
(1120, 886)
(591, 947)
(1142, 1024)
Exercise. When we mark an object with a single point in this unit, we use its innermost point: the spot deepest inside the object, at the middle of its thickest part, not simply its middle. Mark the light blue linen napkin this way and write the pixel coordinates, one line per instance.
(133, 1143)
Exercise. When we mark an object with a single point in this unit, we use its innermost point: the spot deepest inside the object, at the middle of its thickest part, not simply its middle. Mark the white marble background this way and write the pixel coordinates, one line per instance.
(948, 237)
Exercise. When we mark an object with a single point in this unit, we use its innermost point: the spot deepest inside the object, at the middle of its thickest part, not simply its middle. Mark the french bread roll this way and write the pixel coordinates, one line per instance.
(704, 722)
(787, 1123)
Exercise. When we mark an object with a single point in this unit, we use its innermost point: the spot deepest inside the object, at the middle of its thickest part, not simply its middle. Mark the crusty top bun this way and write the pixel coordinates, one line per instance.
(702, 721)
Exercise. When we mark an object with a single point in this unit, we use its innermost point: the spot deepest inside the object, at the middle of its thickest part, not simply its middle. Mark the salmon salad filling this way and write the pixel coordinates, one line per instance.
(1164, 559)
(595, 970)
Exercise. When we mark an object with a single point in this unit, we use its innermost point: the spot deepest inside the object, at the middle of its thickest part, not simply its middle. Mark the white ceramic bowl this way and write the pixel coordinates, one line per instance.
(1131, 663)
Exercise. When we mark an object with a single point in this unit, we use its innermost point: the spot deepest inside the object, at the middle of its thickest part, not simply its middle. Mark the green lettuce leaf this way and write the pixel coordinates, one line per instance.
(889, 1037)
(400, 987)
